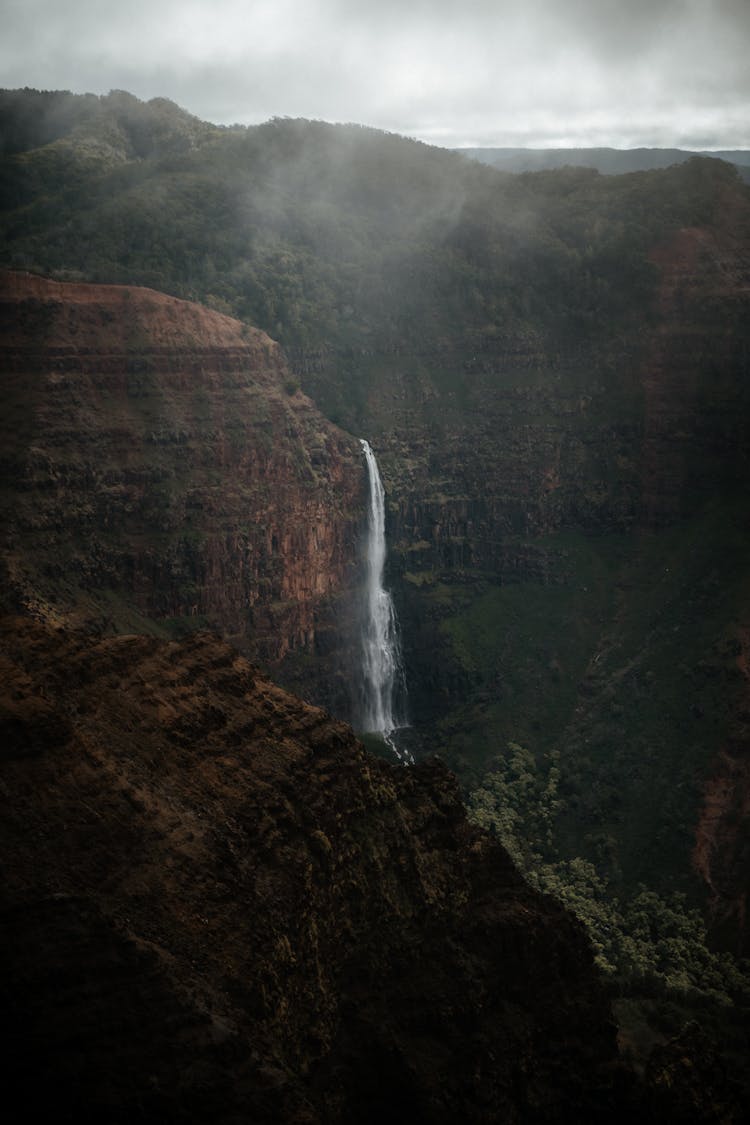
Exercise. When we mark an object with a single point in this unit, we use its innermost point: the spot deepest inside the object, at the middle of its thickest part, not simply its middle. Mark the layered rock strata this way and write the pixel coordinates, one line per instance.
(159, 463)
(218, 908)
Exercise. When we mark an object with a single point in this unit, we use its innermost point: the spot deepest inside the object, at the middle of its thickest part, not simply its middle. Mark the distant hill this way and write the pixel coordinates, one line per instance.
(610, 161)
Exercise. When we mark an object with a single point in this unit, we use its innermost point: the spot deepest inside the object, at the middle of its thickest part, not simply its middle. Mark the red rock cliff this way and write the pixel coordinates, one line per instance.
(160, 463)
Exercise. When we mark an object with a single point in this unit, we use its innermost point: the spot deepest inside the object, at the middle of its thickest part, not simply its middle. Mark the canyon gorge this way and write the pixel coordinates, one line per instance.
(552, 371)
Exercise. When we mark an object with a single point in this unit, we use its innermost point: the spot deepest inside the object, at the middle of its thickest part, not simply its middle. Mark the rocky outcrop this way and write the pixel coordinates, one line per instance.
(722, 837)
(217, 908)
(160, 465)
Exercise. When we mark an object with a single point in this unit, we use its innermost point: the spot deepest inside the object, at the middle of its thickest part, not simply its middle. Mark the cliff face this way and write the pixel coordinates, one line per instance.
(520, 437)
(695, 445)
(218, 907)
(568, 526)
(696, 398)
(160, 464)
(723, 830)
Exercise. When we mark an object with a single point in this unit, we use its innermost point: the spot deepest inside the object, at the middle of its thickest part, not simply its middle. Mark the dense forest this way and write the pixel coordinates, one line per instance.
(572, 611)
(332, 236)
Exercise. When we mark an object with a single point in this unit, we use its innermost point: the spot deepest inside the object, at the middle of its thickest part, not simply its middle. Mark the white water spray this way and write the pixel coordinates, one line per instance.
(381, 655)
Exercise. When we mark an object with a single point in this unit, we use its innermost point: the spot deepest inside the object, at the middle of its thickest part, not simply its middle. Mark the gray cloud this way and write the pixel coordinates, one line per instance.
(586, 72)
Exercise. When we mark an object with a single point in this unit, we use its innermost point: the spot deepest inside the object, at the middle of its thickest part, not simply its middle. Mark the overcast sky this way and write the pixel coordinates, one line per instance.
(451, 72)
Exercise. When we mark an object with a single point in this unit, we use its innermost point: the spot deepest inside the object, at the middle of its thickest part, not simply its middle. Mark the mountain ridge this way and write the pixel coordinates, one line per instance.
(608, 161)
(217, 904)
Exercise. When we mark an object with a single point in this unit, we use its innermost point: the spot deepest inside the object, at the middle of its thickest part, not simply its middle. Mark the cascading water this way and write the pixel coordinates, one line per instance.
(381, 655)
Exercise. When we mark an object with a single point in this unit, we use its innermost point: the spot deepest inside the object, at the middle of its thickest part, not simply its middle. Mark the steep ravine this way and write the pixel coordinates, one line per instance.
(553, 373)
(566, 540)
(569, 529)
(217, 908)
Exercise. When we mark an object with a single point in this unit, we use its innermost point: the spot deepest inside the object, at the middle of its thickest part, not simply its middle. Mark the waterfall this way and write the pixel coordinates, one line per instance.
(381, 655)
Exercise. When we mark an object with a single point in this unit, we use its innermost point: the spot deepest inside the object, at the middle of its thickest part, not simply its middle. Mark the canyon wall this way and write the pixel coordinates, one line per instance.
(217, 907)
(162, 470)
(569, 524)
(489, 438)
(552, 372)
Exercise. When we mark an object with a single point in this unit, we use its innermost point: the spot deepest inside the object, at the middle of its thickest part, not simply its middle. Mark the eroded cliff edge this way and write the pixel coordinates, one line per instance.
(162, 469)
(217, 908)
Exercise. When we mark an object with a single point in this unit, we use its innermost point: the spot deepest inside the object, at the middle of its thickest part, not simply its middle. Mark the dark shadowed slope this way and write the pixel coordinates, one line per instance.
(217, 908)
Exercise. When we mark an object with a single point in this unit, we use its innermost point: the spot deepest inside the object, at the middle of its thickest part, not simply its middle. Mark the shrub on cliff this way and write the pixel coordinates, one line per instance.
(642, 940)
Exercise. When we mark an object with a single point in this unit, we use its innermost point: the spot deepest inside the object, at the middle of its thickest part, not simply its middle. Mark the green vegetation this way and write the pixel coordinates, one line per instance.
(595, 663)
(494, 321)
(330, 236)
(491, 330)
(645, 940)
(653, 948)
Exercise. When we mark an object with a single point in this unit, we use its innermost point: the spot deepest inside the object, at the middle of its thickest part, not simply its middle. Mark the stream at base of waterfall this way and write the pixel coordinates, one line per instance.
(382, 670)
